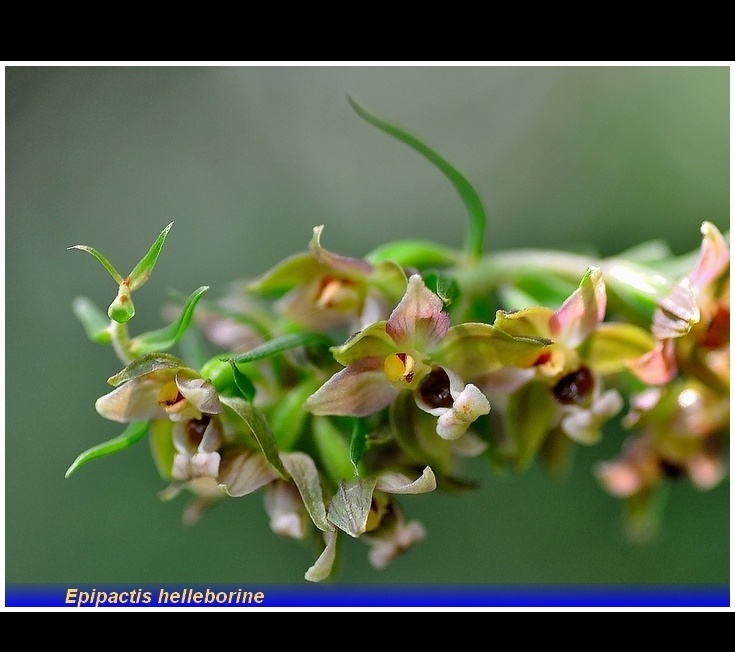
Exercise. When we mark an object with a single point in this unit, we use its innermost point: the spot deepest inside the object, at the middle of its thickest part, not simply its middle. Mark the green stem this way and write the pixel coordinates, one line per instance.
(121, 342)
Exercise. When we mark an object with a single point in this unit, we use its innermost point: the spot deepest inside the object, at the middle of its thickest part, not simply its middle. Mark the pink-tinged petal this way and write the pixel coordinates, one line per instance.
(706, 472)
(358, 390)
(581, 313)
(619, 478)
(354, 267)
(677, 312)
(657, 367)
(714, 257)
(418, 320)
(135, 400)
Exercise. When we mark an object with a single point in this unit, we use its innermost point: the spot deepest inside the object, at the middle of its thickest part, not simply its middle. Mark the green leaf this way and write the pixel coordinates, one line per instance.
(256, 421)
(467, 193)
(358, 443)
(143, 269)
(105, 263)
(243, 383)
(529, 416)
(165, 338)
(148, 364)
(281, 344)
(93, 320)
(414, 253)
(134, 432)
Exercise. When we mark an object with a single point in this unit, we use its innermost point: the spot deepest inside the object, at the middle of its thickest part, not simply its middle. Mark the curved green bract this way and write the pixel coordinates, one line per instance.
(170, 335)
(143, 269)
(469, 196)
(281, 344)
(132, 434)
(414, 253)
(103, 261)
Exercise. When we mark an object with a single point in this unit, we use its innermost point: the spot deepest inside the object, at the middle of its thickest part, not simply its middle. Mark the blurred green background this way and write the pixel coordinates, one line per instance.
(246, 160)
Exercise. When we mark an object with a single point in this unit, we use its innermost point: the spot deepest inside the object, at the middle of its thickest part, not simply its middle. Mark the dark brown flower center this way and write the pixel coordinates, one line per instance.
(195, 430)
(575, 387)
(434, 389)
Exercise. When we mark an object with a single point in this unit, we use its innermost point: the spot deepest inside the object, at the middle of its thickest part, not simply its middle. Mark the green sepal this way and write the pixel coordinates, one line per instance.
(162, 446)
(334, 452)
(414, 253)
(104, 262)
(634, 289)
(133, 433)
(350, 506)
(143, 269)
(611, 345)
(527, 322)
(243, 383)
(148, 364)
(529, 415)
(258, 424)
(445, 288)
(305, 476)
(474, 349)
(467, 193)
(122, 309)
(93, 320)
(281, 344)
(165, 338)
(288, 274)
(372, 341)
(289, 417)
(358, 443)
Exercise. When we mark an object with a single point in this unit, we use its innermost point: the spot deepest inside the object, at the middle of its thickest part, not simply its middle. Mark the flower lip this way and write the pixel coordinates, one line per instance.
(435, 389)
(575, 387)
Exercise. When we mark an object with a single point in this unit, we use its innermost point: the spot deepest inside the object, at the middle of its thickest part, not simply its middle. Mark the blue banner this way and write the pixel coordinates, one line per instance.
(122, 596)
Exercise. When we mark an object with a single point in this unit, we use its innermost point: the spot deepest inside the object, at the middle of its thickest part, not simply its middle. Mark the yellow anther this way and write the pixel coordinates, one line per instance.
(399, 366)
(170, 399)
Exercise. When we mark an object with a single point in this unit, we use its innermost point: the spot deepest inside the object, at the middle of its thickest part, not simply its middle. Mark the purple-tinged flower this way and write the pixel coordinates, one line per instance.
(321, 290)
(563, 385)
(692, 323)
(417, 350)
